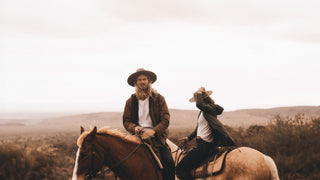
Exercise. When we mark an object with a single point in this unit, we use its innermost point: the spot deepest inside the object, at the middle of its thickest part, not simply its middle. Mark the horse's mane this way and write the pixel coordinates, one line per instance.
(113, 132)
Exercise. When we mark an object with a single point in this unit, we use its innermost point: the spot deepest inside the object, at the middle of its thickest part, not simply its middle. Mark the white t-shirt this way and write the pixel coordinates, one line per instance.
(204, 130)
(144, 117)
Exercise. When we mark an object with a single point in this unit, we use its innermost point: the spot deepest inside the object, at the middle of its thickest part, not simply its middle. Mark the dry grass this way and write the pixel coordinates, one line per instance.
(49, 154)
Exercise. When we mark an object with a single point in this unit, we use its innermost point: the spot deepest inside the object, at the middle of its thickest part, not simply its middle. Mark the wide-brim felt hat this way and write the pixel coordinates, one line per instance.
(132, 79)
(194, 100)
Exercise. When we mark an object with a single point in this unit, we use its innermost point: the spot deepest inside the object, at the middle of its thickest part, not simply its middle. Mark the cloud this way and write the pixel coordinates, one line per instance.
(53, 18)
(300, 30)
(227, 12)
(145, 10)
(79, 46)
(86, 18)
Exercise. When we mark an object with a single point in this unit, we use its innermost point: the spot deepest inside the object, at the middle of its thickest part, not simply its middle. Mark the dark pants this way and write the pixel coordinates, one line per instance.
(194, 159)
(167, 162)
(165, 158)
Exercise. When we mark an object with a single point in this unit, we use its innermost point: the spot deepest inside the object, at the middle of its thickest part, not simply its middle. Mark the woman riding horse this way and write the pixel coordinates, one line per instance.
(209, 133)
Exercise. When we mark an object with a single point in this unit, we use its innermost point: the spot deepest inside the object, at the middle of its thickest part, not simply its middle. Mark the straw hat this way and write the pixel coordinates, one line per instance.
(132, 79)
(194, 100)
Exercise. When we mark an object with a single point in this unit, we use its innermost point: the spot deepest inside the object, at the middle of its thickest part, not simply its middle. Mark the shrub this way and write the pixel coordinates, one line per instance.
(15, 163)
(291, 142)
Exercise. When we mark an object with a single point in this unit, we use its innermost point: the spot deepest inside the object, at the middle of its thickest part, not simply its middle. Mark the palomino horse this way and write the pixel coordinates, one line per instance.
(125, 155)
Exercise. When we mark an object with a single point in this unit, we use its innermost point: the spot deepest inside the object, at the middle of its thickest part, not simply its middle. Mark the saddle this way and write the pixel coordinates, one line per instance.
(212, 166)
(154, 155)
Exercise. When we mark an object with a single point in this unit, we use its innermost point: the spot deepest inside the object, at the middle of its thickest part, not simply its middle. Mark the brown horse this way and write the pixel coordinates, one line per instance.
(129, 159)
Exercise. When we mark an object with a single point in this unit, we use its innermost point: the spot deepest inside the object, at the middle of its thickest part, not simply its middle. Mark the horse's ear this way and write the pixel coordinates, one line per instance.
(81, 129)
(94, 131)
(92, 134)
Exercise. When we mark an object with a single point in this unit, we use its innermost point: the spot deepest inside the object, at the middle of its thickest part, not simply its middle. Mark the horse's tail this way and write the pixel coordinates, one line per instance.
(272, 167)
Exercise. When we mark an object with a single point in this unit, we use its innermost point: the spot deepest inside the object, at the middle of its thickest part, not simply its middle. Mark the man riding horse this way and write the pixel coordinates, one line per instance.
(146, 112)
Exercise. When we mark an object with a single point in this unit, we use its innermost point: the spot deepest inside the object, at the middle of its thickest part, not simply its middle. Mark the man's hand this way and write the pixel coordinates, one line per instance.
(137, 130)
(148, 134)
(183, 141)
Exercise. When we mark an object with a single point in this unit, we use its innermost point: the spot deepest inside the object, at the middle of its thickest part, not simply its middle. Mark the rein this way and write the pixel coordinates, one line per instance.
(127, 157)
(93, 174)
(178, 155)
(148, 154)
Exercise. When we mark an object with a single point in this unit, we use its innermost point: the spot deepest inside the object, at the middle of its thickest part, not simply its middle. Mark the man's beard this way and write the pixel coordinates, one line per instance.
(143, 94)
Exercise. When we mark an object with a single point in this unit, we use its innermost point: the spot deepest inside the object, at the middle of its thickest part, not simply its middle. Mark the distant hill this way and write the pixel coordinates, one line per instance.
(180, 119)
(111, 119)
(247, 117)
(185, 119)
(13, 124)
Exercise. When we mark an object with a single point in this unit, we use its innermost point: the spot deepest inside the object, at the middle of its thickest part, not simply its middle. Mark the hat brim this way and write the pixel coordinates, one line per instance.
(194, 100)
(133, 77)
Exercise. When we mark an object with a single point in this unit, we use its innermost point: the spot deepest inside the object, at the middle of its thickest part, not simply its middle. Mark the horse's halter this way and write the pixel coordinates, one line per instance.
(92, 173)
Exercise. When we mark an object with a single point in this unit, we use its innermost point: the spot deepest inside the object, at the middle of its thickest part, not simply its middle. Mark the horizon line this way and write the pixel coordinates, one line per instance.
(99, 111)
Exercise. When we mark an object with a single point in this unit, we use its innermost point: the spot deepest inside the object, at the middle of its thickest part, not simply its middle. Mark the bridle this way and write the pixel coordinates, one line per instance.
(92, 173)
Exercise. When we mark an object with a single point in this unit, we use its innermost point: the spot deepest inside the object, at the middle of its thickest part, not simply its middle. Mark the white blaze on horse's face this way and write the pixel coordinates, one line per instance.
(85, 159)
(74, 175)
(89, 160)
(81, 169)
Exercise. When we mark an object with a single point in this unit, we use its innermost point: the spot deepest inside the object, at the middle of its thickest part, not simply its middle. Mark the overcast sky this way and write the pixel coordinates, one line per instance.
(76, 55)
